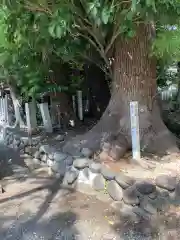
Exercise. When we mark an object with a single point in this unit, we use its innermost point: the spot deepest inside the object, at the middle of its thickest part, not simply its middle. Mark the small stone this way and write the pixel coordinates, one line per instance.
(166, 182)
(84, 176)
(50, 162)
(107, 173)
(81, 163)
(114, 190)
(86, 152)
(59, 138)
(148, 206)
(71, 176)
(130, 196)
(21, 146)
(44, 158)
(27, 150)
(95, 167)
(45, 149)
(37, 155)
(58, 156)
(124, 181)
(51, 156)
(145, 187)
(98, 183)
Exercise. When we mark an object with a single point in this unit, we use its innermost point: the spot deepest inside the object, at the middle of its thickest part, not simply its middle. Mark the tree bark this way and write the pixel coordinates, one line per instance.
(19, 121)
(134, 80)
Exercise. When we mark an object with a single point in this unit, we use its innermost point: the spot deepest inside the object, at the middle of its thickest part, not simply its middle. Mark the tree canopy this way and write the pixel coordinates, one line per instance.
(35, 33)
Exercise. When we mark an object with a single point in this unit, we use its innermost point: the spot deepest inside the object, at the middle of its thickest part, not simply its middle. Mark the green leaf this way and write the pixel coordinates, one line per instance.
(59, 31)
(106, 13)
(51, 30)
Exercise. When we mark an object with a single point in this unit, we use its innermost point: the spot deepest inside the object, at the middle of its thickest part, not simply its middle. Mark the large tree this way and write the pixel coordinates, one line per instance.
(123, 33)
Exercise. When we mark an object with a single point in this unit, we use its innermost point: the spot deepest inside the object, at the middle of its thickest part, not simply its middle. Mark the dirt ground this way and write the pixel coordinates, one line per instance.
(34, 206)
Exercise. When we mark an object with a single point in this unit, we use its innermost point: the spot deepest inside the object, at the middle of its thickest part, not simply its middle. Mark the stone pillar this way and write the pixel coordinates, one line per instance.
(46, 117)
(31, 120)
(80, 105)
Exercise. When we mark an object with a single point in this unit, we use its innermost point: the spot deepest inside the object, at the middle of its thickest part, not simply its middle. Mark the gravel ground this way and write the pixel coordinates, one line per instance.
(35, 207)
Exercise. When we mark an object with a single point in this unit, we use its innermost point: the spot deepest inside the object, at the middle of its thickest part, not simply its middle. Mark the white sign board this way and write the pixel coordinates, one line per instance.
(135, 130)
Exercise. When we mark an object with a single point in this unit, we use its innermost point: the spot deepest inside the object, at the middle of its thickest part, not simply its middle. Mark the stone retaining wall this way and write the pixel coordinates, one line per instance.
(142, 198)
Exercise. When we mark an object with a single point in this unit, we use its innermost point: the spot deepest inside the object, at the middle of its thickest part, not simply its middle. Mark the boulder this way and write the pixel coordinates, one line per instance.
(107, 173)
(124, 181)
(149, 206)
(59, 167)
(145, 187)
(69, 160)
(86, 152)
(98, 183)
(130, 196)
(81, 163)
(166, 182)
(37, 155)
(58, 156)
(71, 176)
(114, 190)
(45, 149)
(60, 137)
(95, 167)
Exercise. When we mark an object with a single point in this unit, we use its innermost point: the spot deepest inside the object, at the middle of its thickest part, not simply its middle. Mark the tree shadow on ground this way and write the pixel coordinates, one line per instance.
(8, 158)
(165, 225)
(60, 225)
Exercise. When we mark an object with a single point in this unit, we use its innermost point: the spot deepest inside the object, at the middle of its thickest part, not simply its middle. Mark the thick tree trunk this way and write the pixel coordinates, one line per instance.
(19, 121)
(134, 80)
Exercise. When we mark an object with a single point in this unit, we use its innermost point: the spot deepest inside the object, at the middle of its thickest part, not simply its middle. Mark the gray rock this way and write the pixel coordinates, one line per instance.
(98, 183)
(11, 139)
(44, 158)
(130, 196)
(69, 160)
(59, 167)
(37, 155)
(86, 152)
(84, 176)
(142, 213)
(114, 190)
(58, 156)
(153, 195)
(127, 212)
(166, 182)
(50, 162)
(81, 163)
(124, 181)
(27, 149)
(45, 149)
(145, 187)
(71, 176)
(60, 138)
(95, 167)
(149, 206)
(107, 173)
(21, 146)
(51, 156)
